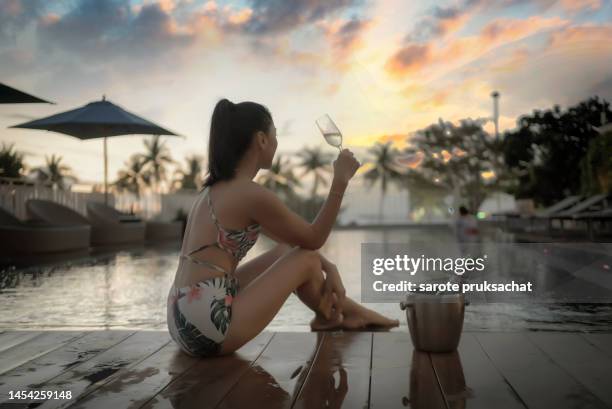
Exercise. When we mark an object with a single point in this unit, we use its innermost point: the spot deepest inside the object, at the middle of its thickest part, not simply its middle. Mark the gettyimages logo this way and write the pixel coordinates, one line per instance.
(502, 273)
(414, 265)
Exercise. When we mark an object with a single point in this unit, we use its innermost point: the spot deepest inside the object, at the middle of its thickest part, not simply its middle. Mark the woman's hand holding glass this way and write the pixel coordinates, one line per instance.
(345, 166)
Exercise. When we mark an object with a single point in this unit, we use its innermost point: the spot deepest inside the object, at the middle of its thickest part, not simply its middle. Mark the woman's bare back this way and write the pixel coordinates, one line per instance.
(222, 201)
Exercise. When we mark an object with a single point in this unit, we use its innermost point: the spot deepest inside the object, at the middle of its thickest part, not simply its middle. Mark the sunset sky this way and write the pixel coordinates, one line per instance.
(381, 69)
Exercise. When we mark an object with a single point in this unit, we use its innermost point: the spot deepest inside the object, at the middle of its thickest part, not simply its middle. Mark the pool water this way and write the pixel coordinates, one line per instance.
(127, 290)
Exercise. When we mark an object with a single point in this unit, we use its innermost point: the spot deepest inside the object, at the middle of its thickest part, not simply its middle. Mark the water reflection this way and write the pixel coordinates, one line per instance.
(127, 289)
(436, 380)
(269, 383)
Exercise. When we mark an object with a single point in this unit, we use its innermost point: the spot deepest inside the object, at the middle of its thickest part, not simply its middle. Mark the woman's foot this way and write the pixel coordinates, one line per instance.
(368, 319)
(319, 323)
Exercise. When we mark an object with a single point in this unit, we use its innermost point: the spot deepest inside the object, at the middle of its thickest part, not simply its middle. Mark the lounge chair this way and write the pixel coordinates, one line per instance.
(513, 219)
(114, 227)
(558, 207)
(592, 204)
(602, 217)
(30, 237)
(158, 230)
(155, 230)
(102, 233)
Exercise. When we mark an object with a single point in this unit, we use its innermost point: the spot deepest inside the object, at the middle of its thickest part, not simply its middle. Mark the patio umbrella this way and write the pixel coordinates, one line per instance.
(10, 95)
(99, 119)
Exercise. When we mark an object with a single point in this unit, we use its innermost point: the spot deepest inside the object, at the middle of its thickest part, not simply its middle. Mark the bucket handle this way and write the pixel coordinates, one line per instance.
(404, 305)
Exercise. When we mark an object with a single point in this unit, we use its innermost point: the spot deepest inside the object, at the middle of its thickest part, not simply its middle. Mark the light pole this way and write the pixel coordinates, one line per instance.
(495, 96)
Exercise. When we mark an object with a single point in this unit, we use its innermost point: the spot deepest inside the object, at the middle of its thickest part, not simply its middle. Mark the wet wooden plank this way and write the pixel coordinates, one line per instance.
(205, 383)
(534, 376)
(35, 347)
(468, 378)
(54, 363)
(602, 341)
(580, 359)
(340, 373)
(275, 378)
(9, 339)
(104, 367)
(140, 383)
(401, 376)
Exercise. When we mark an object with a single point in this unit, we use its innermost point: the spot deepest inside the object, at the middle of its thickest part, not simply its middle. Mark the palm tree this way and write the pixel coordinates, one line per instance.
(315, 162)
(384, 169)
(135, 177)
(280, 177)
(156, 158)
(192, 177)
(54, 172)
(11, 162)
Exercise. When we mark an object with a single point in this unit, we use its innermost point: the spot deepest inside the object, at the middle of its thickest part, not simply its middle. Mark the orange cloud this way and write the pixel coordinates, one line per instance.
(410, 58)
(512, 62)
(590, 34)
(415, 58)
(345, 37)
(241, 16)
(577, 5)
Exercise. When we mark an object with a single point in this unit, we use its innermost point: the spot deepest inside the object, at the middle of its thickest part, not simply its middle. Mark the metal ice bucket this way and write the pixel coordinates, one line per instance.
(435, 320)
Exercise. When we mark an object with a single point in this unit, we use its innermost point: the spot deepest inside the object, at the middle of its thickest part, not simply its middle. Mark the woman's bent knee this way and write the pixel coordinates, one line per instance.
(311, 257)
(307, 260)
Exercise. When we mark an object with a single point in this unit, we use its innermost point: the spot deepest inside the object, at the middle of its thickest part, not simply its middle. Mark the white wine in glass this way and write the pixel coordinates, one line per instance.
(330, 131)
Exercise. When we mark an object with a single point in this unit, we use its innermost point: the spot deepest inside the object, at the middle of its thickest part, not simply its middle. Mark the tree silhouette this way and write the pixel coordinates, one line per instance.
(156, 159)
(54, 172)
(315, 162)
(461, 159)
(135, 177)
(384, 170)
(11, 162)
(191, 177)
(547, 149)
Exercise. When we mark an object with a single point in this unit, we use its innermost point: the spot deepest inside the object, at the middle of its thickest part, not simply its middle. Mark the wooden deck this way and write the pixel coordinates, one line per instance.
(126, 369)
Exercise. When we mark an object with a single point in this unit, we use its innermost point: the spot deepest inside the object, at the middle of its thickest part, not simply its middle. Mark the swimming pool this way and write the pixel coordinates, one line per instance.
(128, 289)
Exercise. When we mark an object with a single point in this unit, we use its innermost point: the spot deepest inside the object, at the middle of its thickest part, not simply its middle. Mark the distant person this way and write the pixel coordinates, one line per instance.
(466, 232)
(215, 305)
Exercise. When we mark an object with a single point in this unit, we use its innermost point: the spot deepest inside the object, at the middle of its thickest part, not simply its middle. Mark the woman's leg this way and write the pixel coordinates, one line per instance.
(354, 314)
(257, 304)
(248, 271)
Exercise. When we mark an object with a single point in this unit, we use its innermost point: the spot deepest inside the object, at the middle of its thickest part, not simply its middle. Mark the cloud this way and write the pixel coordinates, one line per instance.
(276, 16)
(111, 29)
(442, 21)
(591, 35)
(411, 57)
(414, 58)
(517, 58)
(344, 36)
(15, 15)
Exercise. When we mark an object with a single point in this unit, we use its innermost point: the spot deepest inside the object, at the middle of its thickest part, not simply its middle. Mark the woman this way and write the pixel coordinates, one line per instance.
(216, 306)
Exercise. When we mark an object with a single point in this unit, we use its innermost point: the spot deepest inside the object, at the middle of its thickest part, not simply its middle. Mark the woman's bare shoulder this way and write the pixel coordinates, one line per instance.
(250, 187)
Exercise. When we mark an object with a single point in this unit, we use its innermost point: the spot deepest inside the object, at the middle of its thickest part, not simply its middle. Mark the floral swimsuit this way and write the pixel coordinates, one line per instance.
(199, 315)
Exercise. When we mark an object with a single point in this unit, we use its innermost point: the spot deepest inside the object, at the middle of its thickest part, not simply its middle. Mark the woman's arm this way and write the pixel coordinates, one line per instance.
(287, 226)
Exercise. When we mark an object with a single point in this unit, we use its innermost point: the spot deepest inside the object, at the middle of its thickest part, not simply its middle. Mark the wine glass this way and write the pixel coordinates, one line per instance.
(330, 131)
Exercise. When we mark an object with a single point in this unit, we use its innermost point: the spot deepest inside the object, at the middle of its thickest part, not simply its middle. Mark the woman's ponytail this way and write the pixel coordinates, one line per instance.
(232, 127)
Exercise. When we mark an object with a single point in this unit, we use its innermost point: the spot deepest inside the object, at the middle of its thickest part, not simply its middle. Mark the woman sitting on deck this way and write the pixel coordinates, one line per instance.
(216, 306)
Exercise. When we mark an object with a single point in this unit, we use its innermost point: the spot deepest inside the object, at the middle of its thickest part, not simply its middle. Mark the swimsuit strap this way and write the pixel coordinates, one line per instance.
(204, 262)
(214, 217)
(210, 207)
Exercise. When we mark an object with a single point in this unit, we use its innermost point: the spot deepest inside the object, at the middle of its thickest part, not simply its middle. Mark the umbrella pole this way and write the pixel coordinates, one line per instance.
(105, 174)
